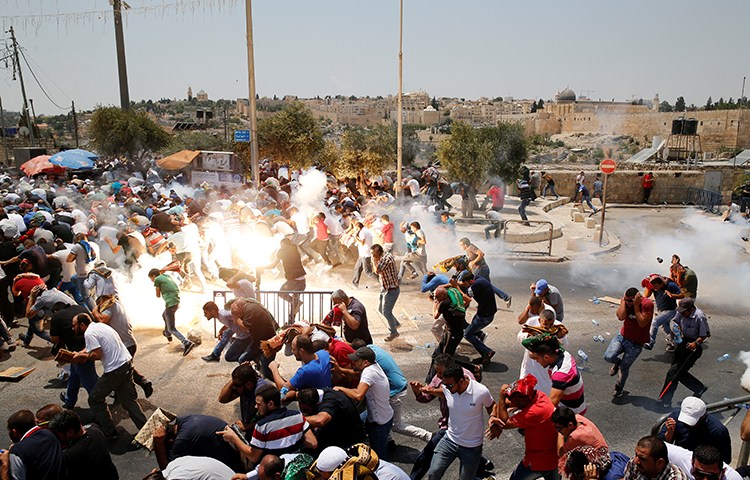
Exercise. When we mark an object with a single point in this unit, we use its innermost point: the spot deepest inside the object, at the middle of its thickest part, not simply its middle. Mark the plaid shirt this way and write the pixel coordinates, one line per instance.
(387, 272)
(671, 472)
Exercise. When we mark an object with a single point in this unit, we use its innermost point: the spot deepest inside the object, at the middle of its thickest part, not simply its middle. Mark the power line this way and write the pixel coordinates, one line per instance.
(39, 67)
(39, 83)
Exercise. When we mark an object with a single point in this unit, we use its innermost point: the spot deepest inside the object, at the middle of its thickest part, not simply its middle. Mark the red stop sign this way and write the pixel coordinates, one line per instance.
(607, 166)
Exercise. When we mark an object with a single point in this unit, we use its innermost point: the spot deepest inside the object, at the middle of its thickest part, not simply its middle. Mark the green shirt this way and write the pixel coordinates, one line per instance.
(170, 292)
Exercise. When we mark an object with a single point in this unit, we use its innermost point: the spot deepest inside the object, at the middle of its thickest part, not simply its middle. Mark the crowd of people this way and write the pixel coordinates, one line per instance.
(66, 242)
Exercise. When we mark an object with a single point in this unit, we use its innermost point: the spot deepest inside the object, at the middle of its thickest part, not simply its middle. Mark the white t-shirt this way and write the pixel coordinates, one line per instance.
(683, 458)
(466, 421)
(389, 471)
(364, 249)
(378, 395)
(413, 186)
(18, 220)
(68, 269)
(283, 228)
(421, 249)
(180, 242)
(301, 222)
(544, 383)
(114, 353)
(334, 225)
(197, 468)
(82, 267)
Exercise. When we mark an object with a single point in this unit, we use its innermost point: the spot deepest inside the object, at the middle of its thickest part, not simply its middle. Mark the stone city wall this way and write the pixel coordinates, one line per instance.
(624, 186)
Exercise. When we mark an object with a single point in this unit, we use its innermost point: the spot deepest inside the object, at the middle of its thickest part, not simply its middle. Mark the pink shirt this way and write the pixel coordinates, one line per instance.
(321, 231)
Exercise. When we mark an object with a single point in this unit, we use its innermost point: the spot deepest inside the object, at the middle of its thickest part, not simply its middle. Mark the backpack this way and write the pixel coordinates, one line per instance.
(457, 300)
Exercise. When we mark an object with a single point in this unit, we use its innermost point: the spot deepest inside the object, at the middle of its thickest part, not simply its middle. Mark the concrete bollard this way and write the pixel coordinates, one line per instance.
(573, 211)
(590, 222)
(578, 217)
(605, 237)
(575, 244)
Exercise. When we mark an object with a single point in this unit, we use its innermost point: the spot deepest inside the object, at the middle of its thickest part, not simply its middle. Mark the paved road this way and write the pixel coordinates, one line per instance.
(186, 385)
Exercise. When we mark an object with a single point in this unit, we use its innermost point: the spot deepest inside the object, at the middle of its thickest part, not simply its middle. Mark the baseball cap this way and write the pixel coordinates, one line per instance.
(541, 285)
(330, 458)
(465, 276)
(685, 304)
(691, 410)
(363, 353)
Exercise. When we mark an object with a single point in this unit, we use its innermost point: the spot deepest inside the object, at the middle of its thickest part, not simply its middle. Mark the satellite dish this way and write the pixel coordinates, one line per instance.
(24, 131)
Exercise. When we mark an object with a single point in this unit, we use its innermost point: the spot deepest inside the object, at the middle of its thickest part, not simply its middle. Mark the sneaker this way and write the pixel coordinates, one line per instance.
(167, 335)
(64, 401)
(648, 346)
(614, 369)
(700, 393)
(487, 358)
(670, 347)
(148, 389)
(188, 347)
(617, 392)
(391, 337)
(26, 342)
(508, 301)
(210, 358)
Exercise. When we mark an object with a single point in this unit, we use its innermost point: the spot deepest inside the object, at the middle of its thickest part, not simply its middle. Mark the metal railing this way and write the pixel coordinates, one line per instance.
(735, 405)
(525, 233)
(313, 305)
(705, 199)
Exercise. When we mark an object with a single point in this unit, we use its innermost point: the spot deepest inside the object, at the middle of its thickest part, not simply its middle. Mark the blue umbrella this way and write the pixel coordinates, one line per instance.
(85, 153)
(72, 160)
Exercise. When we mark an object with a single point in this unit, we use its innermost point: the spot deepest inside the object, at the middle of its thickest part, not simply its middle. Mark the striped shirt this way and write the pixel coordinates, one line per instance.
(564, 375)
(279, 432)
(387, 272)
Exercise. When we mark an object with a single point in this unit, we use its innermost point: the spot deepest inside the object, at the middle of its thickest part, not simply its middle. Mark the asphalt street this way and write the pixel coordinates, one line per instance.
(188, 385)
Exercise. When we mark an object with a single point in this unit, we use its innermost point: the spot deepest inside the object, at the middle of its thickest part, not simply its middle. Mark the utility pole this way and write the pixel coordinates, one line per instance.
(122, 69)
(23, 87)
(33, 112)
(400, 124)
(739, 118)
(251, 84)
(75, 121)
(226, 138)
(5, 139)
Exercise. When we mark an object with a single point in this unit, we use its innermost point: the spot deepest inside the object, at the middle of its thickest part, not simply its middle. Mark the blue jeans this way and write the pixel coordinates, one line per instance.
(378, 435)
(522, 208)
(364, 264)
(588, 202)
(169, 323)
(482, 271)
(223, 342)
(35, 328)
(500, 293)
(629, 349)
(663, 321)
(551, 188)
(496, 227)
(81, 374)
(447, 451)
(88, 302)
(72, 287)
(476, 326)
(385, 307)
(522, 472)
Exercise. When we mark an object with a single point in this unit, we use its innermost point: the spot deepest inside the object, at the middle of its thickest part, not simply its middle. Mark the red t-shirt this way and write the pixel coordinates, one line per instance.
(387, 232)
(648, 181)
(321, 231)
(540, 435)
(340, 351)
(496, 193)
(630, 328)
(25, 284)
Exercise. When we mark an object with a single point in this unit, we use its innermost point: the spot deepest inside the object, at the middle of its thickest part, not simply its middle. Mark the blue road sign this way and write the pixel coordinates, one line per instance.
(242, 136)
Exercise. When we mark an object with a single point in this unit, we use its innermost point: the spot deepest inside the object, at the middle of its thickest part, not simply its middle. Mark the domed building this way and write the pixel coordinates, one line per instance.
(565, 96)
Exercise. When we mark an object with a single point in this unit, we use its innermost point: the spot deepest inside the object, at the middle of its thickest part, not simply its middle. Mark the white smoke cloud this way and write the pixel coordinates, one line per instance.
(744, 357)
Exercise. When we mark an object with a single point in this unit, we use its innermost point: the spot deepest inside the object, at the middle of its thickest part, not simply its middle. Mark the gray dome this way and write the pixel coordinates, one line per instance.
(566, 95)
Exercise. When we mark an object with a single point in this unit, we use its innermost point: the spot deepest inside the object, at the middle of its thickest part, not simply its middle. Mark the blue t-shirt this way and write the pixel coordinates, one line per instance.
(437, 280)
(316, 374)
(396, 378)
(664, 302)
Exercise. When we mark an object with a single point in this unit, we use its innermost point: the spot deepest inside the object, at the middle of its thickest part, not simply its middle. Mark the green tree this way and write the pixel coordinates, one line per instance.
(115, 132)
(292, 136)
(510, 149)
(665, 107)
(540, 104)
(366, 150)
(679, 105)
(709, 104)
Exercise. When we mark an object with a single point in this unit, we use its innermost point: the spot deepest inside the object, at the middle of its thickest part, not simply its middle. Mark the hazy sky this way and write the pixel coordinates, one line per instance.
(463, 48)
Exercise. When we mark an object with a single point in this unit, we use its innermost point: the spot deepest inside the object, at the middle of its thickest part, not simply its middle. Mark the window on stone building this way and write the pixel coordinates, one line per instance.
(701, 123)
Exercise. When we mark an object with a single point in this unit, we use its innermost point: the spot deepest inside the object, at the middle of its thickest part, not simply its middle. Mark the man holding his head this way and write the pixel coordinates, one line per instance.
(651, 462)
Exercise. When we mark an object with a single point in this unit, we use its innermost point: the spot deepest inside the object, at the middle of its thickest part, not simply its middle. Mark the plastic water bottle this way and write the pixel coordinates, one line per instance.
(596, 301)
(600, 339)
(595, 322)
(677, 333)
(583, 355)
(429, 345)
(724, 357)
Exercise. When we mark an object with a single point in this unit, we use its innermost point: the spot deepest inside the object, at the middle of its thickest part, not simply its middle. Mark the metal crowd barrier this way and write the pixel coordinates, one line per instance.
(530, 232)
(314, 305)
(735, 405)
(705, 199)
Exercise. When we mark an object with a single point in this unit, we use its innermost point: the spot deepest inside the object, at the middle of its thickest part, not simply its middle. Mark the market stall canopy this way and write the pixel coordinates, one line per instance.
(178, 160)
(73, 159)
(41, 164)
